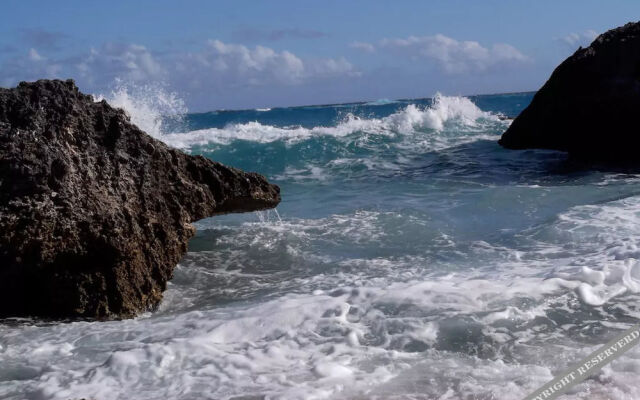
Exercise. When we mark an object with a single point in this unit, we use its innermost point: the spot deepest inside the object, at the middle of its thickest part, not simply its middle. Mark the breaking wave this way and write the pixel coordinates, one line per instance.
(389, 269)
(150, 107)
(444, 110)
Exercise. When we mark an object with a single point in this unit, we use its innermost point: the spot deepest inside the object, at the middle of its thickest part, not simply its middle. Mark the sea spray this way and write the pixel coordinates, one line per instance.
(455, 111)
(150, 107)
(408, 262)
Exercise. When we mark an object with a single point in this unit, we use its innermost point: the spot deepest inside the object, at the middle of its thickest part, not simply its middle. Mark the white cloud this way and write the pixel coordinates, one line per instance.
(216, 67)
(221, 64)
(115, 60)
(258, 65)
(363, 46)
(328, 67)
(34, 55)
(95, 68)
(580, 39)
(453, 56)
(224, 73)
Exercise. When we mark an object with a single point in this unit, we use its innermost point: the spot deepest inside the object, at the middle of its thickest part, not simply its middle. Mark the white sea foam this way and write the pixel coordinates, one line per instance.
(400, 306)
(148, 106)
(445, 109)
(594, 269)
(387, 326)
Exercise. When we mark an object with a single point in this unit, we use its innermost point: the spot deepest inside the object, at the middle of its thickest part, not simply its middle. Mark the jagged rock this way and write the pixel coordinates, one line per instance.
(588, 106)
(95, 213)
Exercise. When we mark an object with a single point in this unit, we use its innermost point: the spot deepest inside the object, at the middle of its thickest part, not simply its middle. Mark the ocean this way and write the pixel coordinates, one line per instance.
(411, 258)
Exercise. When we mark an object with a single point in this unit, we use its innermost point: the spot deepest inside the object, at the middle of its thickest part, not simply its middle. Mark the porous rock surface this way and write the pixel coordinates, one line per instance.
(94, 213)
(589, 106)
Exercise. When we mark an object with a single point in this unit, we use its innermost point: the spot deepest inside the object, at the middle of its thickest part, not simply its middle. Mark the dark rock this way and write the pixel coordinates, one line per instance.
(589, 105)
(94, 213)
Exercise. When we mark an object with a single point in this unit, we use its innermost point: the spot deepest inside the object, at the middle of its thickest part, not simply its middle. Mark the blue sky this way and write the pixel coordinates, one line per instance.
(245, 54)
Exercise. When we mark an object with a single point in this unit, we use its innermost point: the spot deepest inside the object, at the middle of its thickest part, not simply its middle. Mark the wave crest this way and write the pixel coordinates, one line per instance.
(156, 110)
(150, 107)
(445, 110)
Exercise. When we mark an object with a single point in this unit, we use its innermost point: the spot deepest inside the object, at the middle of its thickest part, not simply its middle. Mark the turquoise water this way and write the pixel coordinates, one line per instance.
(411, 257)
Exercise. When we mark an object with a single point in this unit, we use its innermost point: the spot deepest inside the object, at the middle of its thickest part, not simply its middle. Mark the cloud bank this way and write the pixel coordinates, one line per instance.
(217, 67)
(216, 73)
(450, 55)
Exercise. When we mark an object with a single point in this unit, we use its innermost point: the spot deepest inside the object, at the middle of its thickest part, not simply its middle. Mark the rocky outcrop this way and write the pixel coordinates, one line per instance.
(95, 213)
(589, 106)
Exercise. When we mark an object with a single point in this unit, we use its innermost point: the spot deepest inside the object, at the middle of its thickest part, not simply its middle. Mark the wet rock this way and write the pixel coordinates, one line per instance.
(94, 213)
(588, 107)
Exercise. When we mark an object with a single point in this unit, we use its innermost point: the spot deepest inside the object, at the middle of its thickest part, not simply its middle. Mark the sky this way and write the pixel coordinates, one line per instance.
(247, 54)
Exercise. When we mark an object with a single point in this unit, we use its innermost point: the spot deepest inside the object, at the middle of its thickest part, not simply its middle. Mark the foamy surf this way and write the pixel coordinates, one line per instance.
(411, 257)
(373, 327)
(452, 110)
(149, 107)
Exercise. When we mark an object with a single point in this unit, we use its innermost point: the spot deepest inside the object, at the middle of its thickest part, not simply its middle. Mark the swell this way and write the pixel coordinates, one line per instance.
(444, 112)
(163, 115)
(478, 272)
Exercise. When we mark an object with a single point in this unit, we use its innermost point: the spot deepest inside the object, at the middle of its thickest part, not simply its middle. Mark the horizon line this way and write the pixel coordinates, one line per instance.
(359, 102)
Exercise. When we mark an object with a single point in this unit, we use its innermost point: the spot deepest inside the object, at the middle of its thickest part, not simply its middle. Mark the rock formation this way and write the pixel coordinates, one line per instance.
(588, 106)
(94, 213)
